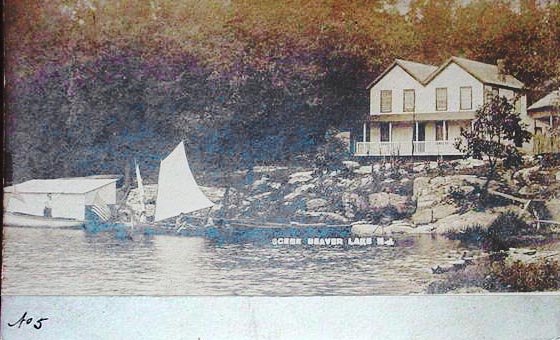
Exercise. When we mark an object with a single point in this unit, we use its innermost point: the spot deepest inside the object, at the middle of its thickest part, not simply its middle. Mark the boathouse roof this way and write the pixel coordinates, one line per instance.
(79, 185)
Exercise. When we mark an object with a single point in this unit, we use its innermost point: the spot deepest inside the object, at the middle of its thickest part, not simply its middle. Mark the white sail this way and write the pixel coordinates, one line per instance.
(177, 189)
(140, 189)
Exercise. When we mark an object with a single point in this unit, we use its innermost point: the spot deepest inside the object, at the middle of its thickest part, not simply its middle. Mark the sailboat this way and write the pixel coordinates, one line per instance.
(177, 194)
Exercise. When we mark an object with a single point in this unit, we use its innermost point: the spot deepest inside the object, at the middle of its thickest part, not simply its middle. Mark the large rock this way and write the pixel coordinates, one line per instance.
(366, 230)
(420, 185)
(316, 204)
(434, 197)
(351, 165)
(462, 221)
(524, 175)
(472, 218)
(363, 170)
(469, 163)
(553, 206)
(380, 200)
(299, 191)
(301, 177)
(326, 216)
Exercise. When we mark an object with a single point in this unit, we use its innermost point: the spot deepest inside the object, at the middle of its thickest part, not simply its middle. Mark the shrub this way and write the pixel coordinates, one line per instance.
(473, 234)
(528, 277)
(502, 233)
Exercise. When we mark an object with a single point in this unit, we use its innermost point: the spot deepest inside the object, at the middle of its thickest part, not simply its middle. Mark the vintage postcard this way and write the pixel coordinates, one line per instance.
(281, 148)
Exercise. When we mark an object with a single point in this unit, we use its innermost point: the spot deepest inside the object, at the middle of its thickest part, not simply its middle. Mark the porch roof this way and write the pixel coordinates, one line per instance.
(430, 116)
(550, 100)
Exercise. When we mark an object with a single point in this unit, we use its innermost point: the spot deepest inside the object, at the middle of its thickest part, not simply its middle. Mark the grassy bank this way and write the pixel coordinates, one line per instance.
(502, 270)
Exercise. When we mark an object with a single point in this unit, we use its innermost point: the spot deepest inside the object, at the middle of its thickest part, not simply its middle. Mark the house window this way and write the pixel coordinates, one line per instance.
(385, 132)
(441, 131)
(408, 100)
(490, 93)
(441, 99)
(386, 101)
(466, 98)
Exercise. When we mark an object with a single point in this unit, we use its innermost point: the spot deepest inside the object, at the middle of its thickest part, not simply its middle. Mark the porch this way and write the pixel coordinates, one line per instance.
(404, 138)
(410, 148)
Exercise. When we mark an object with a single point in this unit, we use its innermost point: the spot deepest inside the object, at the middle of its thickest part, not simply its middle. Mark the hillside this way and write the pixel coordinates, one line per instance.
(92, 85)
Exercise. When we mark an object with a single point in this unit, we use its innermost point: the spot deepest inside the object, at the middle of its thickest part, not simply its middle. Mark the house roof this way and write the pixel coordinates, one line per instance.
(416, 70)
(79, 185)
(550, 100)
(485, 73)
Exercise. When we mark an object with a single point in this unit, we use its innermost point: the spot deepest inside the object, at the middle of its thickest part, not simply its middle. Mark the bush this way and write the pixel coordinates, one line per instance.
(473, 234)
(528, 277)
(503, 232)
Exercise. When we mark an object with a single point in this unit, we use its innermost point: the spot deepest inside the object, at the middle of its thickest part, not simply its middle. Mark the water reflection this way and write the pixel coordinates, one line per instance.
(72, 262)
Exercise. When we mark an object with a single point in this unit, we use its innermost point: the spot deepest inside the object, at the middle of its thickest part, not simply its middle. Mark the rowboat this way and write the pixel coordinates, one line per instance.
(26, 220)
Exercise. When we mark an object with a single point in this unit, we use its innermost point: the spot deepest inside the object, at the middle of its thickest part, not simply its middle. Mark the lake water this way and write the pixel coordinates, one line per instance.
(73, 262)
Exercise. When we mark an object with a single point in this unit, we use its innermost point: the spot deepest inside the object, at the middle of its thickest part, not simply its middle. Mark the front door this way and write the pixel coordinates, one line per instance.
(419, 137)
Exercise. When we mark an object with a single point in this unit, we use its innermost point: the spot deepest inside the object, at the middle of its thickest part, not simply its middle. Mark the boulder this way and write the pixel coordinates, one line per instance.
(399, 227)
(380, 200)
(418, 167)
(553, 207)
(326, 216)
(433, 200)
(363, 170)
(462, 221)
(524, 175)
(351, 165)
(423, 216)
(214, 194)
(444, 210)
(420, 185)
(298, 191)
(469, 163)
(316, 204)
(366, 230)
(530, 190)
(558, 176)
(301, 177)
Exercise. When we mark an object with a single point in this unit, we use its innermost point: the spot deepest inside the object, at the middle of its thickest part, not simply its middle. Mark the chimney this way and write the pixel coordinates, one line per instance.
(501, 63)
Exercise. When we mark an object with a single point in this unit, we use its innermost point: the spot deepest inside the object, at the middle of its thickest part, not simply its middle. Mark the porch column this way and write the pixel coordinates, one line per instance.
(444, 137)
(416, 127)
(364, 135)
(390, 131)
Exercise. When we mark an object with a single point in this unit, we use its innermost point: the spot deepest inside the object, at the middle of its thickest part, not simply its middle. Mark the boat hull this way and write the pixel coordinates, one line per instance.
(22, 220)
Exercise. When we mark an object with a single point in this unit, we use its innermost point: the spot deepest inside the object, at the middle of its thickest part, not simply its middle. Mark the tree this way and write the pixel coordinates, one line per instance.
(497, 131)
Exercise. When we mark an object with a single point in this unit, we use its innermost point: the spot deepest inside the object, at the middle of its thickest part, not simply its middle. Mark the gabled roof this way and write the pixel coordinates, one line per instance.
(80, 185)
(550, 100)
(415, 70)
(485, 73)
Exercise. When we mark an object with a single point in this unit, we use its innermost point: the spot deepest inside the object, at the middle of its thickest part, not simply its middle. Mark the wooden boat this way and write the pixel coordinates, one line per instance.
(25, 220)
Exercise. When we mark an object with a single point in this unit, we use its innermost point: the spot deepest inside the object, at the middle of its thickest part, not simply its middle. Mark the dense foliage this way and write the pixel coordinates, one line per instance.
(496, 133)
(242, 82)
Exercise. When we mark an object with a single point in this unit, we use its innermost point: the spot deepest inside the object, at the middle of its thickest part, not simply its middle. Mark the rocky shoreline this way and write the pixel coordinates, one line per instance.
(381, 198)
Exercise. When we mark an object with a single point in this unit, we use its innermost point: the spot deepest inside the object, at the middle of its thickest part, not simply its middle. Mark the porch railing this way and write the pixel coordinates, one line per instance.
(421, 148)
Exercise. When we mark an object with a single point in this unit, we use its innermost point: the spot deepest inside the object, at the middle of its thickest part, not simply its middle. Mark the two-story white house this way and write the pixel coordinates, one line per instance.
(418, 109)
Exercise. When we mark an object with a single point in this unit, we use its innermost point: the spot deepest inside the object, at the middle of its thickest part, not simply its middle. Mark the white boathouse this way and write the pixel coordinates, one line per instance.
(66, 197)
